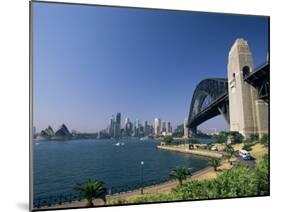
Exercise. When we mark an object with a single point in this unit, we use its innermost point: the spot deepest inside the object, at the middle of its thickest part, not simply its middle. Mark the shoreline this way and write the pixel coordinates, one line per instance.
(165, 187)
(205, 153)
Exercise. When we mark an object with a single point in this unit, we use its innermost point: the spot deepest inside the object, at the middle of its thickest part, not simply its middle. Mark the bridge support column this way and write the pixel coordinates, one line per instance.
(192, 132)
(262, 117)
(224, 110)
(242, 96)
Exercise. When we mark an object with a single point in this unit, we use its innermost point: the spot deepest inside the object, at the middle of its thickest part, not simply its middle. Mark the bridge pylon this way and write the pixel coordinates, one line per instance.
(245, 108)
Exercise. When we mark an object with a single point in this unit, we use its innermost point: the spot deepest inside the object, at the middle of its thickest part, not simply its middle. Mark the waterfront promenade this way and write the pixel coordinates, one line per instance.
(184, 149)
(166, 187)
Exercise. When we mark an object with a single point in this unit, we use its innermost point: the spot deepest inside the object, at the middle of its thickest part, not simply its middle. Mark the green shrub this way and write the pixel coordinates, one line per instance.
(247, 146)
(210, 145)
(178, 134)
(264, 140)
(236, 136)
(237, 182)
(168, 140)
(214, 162)
(221, 137)
(120, 202)
(254, 137)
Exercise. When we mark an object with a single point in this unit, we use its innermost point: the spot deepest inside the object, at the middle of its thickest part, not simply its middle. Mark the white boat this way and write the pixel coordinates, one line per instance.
(144, 138)
(117, 144)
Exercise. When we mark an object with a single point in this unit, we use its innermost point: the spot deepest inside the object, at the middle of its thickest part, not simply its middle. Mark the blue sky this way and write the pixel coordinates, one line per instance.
(91, 62)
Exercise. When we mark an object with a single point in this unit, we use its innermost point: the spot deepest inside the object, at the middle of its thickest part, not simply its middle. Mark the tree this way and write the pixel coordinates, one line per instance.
(180, 174)
(262, 176)
(209, 146)
(254, 137)
(178, 134)
(236, 136)
(221, 137)
(264, 140)
(229, 151)
(247, 145)
(92, 189)
(214, 162)
(168, 140)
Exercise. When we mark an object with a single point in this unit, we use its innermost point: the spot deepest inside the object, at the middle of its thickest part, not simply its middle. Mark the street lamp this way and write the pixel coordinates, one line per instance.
(142, 163)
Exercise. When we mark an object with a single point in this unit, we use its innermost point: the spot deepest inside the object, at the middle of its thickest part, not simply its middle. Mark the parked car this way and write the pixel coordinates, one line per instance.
(214, 148)
(245, 155)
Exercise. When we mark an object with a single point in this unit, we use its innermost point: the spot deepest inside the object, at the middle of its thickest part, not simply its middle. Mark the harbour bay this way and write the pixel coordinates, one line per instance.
(60, 165)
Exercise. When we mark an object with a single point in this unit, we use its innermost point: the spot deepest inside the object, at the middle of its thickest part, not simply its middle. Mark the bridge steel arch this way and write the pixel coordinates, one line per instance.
(209, 99)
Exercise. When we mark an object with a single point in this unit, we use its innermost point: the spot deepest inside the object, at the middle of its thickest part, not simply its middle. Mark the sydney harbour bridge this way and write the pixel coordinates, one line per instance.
(242, 98)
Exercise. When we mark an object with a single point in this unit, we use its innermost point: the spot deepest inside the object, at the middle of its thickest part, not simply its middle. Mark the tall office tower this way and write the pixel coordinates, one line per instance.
(128, 127)
(127, 120)
(185, 129)
(141, 130)
(168, 127)
(145, 128)
(157, 126)
(163, 129)
(117, 128)
(111, 127)
(137, 128)
(150, 129)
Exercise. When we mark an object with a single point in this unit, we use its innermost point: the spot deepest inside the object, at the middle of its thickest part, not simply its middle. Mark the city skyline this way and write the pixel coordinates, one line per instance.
(141, 64)
(111, 128)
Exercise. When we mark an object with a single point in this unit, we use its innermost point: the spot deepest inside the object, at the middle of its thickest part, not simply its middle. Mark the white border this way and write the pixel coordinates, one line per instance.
(14, 90)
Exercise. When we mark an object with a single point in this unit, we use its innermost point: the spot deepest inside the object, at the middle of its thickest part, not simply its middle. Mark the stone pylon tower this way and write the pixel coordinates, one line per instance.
(242, 96)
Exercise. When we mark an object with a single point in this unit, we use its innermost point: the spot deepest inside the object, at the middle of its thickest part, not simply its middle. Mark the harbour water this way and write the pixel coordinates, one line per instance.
(59, 165)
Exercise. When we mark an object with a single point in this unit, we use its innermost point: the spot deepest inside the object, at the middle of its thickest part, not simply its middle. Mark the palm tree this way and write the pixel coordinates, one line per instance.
(91, 190)
(180, 174)
(214, 163)
(229, 152)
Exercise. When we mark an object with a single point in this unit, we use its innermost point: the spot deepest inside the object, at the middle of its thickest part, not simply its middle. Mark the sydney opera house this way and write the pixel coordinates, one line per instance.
(49, 134)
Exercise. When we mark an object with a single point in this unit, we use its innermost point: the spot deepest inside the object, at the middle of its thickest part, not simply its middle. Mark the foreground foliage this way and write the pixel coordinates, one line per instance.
(92, 189)
(264, 140)
(214, 162)
(237, 182)
(180, 174)
(229, 152)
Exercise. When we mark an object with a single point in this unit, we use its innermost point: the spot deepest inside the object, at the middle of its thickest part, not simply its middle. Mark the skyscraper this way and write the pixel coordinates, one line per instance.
(117, 128)
(163, 128)
(137, 127)
(128, 127)
(145, 128)
(168, 127)
(127, 120)
(157, 126)
(111, 127)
